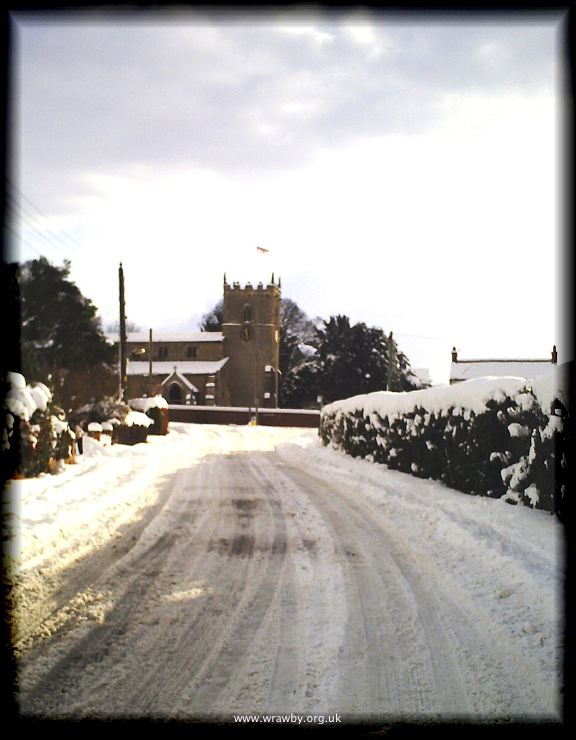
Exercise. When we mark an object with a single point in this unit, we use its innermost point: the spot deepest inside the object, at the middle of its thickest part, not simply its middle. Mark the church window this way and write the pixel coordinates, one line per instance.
(191, 353)
(162, 353)
(247, 312)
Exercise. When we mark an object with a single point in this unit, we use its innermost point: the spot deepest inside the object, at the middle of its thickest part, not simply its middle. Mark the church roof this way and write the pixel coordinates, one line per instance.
(182, 367)
(166, 336)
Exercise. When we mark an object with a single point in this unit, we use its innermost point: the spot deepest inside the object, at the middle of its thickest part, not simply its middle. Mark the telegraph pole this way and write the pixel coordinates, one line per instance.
(123, 378)
(391, 363)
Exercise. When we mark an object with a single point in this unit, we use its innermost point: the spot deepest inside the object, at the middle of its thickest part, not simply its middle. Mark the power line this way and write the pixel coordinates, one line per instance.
(31, 220)
(25, 241)
(46, 235)
(24, 209)
(419, 336)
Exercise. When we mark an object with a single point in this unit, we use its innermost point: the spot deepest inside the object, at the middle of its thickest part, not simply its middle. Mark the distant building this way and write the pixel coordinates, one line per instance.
(467, 369)
(237, 366)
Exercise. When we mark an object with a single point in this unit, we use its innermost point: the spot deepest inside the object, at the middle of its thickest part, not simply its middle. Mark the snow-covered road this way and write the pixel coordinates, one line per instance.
(226, 570)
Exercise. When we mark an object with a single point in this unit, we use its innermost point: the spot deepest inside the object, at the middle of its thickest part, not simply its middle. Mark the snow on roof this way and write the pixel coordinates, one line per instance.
(166, 367)
(143, 337)
(468, 369)
(186, 382)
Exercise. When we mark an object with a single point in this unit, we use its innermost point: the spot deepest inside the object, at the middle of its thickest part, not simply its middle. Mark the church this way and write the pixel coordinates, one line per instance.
(237, 366)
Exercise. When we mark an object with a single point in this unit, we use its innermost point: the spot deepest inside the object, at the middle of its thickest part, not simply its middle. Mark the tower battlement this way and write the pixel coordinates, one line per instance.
(236, 285)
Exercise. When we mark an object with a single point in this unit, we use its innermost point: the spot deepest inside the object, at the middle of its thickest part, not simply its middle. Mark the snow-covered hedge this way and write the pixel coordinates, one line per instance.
(498, 437)
(35, 435)
(156, 408)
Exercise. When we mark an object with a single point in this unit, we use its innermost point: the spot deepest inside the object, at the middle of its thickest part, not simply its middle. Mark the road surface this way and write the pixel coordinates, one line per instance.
(260, 582)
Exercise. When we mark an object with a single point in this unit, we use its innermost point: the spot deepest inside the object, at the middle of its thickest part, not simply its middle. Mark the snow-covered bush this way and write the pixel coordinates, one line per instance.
(133, 429)
(106, 409)
(35, 433)
(498, 437)
(156, 408)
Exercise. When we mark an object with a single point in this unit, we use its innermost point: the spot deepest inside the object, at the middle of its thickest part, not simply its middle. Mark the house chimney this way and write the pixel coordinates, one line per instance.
(454, 355)
(554, 355)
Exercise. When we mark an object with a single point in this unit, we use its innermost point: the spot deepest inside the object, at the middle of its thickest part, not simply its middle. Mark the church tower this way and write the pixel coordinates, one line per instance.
(251, 329)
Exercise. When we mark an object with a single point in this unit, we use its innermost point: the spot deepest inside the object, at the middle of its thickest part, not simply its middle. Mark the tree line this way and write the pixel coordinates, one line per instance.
(61, 343)
(326, 360)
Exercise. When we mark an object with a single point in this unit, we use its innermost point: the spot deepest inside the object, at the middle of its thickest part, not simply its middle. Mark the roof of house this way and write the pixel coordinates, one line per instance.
(467, 369)
(183, 367)
(143, 337)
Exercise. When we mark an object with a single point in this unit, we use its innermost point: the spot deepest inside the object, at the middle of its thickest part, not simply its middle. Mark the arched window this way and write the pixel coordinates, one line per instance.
(247, 312)
(175, 394)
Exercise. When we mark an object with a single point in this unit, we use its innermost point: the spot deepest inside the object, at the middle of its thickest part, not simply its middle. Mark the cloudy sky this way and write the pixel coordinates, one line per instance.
(404, 170)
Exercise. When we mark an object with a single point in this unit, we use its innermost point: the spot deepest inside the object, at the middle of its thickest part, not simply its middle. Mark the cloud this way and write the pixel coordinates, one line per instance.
(240, 96)
(381, 158)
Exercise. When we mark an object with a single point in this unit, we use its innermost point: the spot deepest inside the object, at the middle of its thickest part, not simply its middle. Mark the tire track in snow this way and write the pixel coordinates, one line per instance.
(466, 650)
(262, 586)
(386, 655)
(253, 561)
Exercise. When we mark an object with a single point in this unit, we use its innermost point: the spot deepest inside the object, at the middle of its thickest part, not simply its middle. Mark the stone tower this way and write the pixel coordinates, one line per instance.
(251, 329)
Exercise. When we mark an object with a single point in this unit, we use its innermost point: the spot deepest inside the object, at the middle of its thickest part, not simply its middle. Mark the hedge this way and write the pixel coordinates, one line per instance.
(499, 437)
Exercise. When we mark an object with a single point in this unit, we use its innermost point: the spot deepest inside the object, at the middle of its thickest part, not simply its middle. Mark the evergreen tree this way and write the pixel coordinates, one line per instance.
(355, 359)
(61, 337)
(9, 301)
(212, 321)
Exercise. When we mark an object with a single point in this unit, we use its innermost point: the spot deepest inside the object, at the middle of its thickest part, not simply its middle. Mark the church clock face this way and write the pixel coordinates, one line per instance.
(246, 333)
